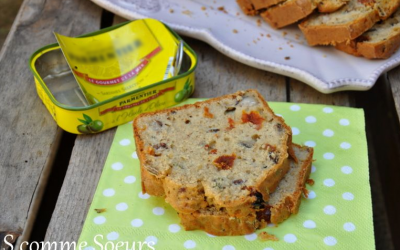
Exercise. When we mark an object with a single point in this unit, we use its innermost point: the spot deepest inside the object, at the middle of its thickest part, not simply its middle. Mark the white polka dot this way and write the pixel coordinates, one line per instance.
(313, 169)
(109, 192)
(330, 210)
(311, 119)
(345, 145)
(174, 228)
(151, 239)
(130, 179)
(112, 236)
(125, 142)
(228, 247)
(268, 248)
(295, 108)
(189, 244)
(158, 211)
(309, 224)
(349, 227)
(271, 225)
(122, 206)
(89, 248)
(290, 238)
(311, 195)
(117, 166)
(327, 110)
(136, 223)
(295, 131)
(328, 133)
(251, 237)
(348, 196)
(344, 122)
(310, 144)
(329, 182)
(143, 196)
(330, 241)
(279, 115)
(329, 156)
(99, 220)
(210, 235)
(134, 155)
(347, 170)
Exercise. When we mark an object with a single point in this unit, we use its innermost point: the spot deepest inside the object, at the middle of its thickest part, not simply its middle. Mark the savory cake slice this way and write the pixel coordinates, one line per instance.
(288, 12)
(283, 202)
(220, 152)
(380, 42)
(343, 25)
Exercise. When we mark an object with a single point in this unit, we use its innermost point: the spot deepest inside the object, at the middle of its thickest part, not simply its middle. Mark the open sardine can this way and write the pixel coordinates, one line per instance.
(92, 92)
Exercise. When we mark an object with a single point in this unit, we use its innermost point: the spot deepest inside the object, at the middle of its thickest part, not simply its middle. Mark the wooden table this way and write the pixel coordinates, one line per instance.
(48, 177)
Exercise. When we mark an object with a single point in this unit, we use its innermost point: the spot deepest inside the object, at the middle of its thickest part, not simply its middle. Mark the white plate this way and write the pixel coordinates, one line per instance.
(283, 51)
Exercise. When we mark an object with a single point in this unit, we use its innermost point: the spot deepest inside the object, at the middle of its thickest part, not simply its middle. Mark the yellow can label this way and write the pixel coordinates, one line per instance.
(119, 61)
(151, 96)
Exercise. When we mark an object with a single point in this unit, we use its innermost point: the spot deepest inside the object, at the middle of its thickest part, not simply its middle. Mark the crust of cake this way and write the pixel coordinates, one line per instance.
(154, 184)
(278, 17)
(330, 6)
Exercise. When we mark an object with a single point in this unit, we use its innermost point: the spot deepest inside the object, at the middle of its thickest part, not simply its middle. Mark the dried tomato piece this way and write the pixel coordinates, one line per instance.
(253, 117)
(225, 162)
(207, 113)
(213, 151)
(231, 124)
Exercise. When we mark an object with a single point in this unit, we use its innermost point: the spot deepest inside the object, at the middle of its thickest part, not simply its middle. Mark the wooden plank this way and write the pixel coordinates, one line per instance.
(84, 170)
(394, 79)
(302, 93)
(28, 135)
(216, 75)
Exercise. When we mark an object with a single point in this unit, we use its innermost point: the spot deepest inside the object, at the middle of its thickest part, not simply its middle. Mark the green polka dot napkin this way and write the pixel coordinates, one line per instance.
(336, 215)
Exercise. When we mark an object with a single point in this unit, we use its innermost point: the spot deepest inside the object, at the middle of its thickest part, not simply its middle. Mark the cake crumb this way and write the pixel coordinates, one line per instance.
(237, 14)
(297, 37)
(305, 192)
(291, 46)
(100, 210)
(254, 41)
(268, 35)
(258, 39)
(261, 34)
(310, 182)
(171, 10)
(203, 8)
(258, 22)
(264, 236)
(222, 8)
(284, 33)
(235, 31)
(187, 12)
(287, 57)
(325, 56)
(280, 48)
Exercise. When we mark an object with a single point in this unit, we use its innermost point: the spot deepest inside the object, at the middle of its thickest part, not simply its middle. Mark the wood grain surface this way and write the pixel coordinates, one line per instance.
(28, 134)
(394, 79)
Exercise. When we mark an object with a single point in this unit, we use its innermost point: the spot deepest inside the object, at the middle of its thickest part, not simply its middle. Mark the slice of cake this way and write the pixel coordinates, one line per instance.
(288, 12)
(222, 152)
(380, 42)
(343, 25)
(283, 202)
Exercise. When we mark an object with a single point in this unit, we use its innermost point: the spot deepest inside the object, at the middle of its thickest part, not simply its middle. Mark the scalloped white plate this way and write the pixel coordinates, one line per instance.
(242, 38)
